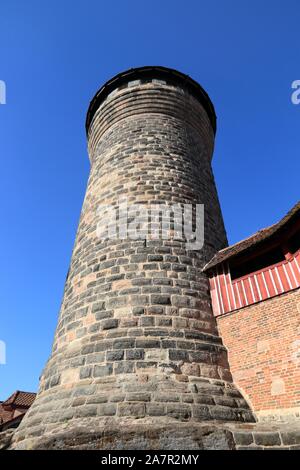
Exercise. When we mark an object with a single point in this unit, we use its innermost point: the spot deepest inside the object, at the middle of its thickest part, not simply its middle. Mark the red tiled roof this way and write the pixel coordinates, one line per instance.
(232, 251)
(22, 399)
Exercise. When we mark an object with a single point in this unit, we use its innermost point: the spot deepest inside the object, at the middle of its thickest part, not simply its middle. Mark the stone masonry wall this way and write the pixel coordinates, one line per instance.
(264, 354)
(136, 338)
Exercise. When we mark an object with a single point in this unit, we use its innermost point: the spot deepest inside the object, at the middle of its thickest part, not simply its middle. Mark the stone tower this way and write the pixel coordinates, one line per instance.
(137, 361)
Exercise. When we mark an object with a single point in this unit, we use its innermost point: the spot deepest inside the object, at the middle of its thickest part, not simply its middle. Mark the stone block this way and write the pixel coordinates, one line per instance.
(102, 371)
(134, 410)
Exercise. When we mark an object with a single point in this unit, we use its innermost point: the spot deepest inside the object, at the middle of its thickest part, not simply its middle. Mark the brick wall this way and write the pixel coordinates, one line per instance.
(264, 354)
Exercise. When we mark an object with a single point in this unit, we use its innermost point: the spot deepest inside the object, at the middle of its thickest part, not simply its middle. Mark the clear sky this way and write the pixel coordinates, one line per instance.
(54, 55)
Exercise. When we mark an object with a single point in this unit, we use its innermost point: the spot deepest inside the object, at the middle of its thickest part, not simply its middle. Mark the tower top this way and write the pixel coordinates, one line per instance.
(168, 75)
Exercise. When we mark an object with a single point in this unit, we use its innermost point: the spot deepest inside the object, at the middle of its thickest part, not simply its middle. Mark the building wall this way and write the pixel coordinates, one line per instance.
(264, 354)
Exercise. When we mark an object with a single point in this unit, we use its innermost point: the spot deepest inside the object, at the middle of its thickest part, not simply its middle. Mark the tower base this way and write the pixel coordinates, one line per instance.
(149, 434)
(133, 435)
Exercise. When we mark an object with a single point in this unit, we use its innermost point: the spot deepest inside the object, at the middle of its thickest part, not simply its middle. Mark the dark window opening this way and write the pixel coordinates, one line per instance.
(294, 243)
(146, 80)
(121, 87)
(255, 264)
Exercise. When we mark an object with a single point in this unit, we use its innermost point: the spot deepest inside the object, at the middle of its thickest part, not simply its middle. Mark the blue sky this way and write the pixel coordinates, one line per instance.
(54, 56)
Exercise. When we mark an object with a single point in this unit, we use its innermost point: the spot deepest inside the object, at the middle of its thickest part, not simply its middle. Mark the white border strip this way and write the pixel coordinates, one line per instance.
(244, 292)
(257, 287)
(217, 295)
(219, 288)
(279, 280)
(251, 288)
(273, 282)
(265, 284)
(287, 276)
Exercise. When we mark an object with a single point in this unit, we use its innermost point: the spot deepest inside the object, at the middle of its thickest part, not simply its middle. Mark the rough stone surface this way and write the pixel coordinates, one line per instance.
(150, 433)
(5, 438)
(139, 436)
(136, 336)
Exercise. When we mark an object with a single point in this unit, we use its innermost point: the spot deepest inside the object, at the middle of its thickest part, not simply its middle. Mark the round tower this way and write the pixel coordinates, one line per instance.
(137, 361)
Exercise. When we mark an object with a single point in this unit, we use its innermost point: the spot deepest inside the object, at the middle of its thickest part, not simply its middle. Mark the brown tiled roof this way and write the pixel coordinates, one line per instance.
(15, 406)
(22, 399)
(250, 242)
